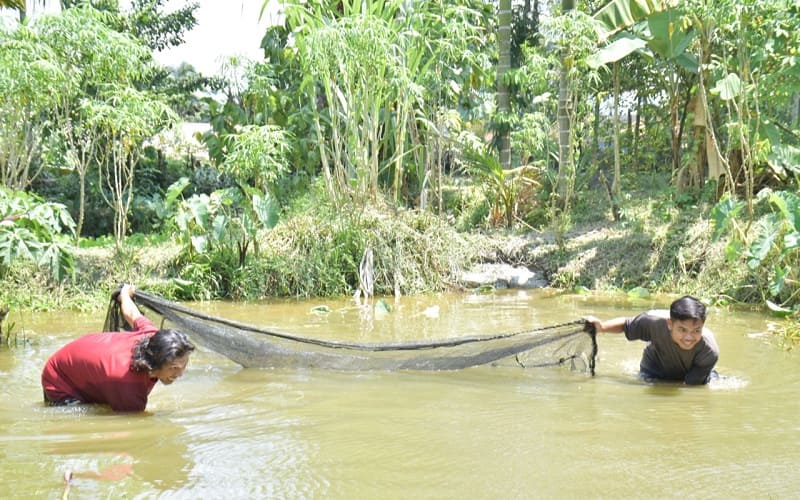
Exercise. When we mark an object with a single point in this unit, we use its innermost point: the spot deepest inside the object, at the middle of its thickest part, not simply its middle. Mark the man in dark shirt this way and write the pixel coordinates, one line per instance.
(116, 368)
(679, 347)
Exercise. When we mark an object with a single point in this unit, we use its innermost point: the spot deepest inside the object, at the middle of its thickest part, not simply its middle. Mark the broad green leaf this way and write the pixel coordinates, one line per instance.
(723, 213)
(788, 205)
(763, 243)
(791, 241)
(688, 62)
(620, 14)
(784, 157)
(218, 228)
(670, 36)
(616, 51)
(200, 243)
(175, 190)
(728, 88)
(778, 310)
(266, 209)
(733, 250)
(182, 220)
(778, 280)
(198, 206)
(323, 309)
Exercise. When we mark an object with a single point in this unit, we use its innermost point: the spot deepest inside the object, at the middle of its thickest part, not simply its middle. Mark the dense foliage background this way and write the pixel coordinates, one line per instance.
(377, 147)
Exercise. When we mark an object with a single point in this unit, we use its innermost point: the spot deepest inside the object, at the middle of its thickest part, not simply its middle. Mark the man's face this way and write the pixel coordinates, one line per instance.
(686, 333)
(171, 371)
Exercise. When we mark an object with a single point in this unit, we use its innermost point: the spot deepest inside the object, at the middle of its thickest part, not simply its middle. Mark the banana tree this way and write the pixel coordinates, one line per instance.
(648, 28)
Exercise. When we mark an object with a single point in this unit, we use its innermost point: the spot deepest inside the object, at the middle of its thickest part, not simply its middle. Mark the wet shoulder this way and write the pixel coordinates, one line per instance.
(658, 313)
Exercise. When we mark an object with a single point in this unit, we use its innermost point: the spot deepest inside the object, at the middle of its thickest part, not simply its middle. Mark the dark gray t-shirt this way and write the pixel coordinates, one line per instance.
(662, 358)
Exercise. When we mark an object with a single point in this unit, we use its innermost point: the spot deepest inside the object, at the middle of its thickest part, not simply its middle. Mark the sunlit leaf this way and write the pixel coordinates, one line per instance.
(788, 205)
(733, 250)
(778, 281)
(791, 241)
(763, 243)
(723, 213)
(266, 209)
(218, 226)
(616, 51)
(617, 15)
(175, 190)
(728, 88)
(200, 243)
(778, 310)
(670, 36)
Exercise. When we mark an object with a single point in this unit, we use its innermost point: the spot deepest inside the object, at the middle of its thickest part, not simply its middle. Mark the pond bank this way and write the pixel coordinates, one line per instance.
(672, 254)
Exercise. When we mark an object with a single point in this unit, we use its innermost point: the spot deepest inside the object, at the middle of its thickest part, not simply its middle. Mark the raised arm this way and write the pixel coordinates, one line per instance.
(615, 325)
(128, 308)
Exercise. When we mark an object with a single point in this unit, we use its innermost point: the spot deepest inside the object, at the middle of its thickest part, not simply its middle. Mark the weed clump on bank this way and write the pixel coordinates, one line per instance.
(389, 252)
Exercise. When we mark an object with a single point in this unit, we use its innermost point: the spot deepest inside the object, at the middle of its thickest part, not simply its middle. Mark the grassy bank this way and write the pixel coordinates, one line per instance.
(661, 243)
(657, 247)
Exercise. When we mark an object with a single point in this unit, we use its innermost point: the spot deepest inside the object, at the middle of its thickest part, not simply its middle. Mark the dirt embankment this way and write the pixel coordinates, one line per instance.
(673, 256)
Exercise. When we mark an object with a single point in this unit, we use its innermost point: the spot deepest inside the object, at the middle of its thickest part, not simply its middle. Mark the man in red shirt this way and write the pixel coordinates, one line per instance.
(117, 368)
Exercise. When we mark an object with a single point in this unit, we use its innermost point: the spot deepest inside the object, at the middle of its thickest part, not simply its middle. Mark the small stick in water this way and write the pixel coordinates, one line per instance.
(67, 481)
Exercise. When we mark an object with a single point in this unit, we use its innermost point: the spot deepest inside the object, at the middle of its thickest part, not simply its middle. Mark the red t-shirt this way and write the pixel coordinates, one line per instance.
(96, 368)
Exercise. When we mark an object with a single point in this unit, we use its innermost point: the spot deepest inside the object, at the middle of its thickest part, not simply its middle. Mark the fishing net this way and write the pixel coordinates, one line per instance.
(569, 344)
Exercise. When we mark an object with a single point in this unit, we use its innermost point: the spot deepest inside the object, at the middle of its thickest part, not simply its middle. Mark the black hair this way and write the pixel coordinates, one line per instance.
(153, 352)
(687, 307)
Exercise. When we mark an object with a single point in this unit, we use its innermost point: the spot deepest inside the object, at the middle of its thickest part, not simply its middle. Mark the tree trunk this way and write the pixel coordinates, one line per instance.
(81, 206)
(637, 128)
(503, 65)
(616, 193)
(563, 186)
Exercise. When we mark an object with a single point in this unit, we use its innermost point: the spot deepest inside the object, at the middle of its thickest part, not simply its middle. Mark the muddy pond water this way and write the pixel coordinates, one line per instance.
(484, 432)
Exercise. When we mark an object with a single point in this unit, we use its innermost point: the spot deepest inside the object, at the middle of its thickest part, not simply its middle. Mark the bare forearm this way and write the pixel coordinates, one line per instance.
(616, 325)
(128, 308)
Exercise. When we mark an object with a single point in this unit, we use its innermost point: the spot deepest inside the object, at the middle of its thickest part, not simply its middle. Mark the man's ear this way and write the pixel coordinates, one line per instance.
(669, 324)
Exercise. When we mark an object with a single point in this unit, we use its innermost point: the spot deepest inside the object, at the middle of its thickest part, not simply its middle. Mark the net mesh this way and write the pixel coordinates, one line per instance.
(570, 344)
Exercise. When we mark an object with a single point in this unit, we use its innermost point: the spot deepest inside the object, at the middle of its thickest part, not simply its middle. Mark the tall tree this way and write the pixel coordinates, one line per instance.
(503, 66)
(160, 30)
(124, 118)
(566, 161)
(31, 85)
(441, 49)
(87, 48)
(615, 16)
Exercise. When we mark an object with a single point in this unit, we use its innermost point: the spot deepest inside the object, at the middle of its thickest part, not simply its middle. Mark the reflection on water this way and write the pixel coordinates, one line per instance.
(485, 432)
